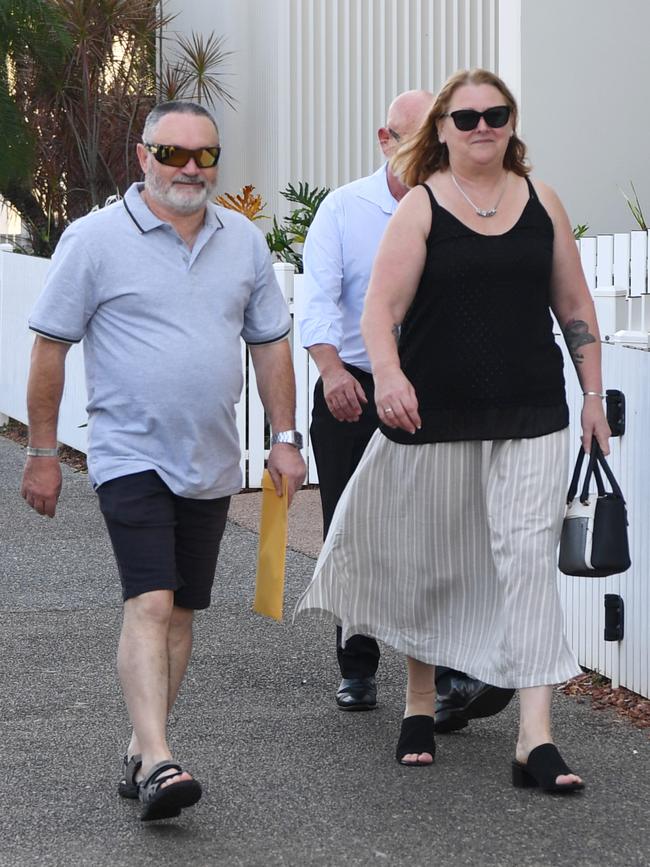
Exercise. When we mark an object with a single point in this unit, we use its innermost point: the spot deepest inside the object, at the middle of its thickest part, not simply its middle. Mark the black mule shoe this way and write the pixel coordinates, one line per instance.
(466, 698)
(543, 766)
(357, 693)
(416, 736)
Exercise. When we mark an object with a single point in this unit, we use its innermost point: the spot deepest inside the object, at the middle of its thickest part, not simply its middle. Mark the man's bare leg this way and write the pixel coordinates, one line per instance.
(154, 649)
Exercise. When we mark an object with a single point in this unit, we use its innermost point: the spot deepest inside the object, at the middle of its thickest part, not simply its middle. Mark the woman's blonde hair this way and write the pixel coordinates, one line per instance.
(424, 153)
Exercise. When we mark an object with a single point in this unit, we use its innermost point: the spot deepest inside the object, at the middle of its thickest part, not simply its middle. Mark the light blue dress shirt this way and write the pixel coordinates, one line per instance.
(339, 252)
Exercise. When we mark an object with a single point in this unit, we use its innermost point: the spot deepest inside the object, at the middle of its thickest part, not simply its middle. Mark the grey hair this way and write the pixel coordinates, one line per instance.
(175, 106)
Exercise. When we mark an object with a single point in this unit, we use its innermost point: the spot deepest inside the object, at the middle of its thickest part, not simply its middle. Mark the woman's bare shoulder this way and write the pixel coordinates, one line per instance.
(417, 202)
(415, 211)
(547, 195)
(554, 208)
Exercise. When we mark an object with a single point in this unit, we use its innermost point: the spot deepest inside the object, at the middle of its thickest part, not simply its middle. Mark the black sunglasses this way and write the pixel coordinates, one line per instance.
(466, 119)
(173, 155)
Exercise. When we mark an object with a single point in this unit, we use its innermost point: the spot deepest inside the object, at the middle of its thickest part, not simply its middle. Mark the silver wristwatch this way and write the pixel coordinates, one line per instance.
(41, 453)
(292, 437)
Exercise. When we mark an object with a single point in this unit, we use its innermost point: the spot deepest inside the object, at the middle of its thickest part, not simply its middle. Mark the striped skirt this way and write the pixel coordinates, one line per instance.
(447, 552)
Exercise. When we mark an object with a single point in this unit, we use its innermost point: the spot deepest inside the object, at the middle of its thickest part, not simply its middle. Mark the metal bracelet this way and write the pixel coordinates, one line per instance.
(593, 394)
(41, 453)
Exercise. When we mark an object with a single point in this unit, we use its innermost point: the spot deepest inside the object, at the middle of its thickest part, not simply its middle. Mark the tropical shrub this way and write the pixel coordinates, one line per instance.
(287, 236)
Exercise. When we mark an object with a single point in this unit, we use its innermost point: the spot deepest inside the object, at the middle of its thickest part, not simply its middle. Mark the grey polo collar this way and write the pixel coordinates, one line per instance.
(145, 220)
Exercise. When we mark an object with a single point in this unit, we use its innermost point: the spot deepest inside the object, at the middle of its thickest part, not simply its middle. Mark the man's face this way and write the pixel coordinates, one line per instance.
(182, 190)
(390, 141)
(405, 116)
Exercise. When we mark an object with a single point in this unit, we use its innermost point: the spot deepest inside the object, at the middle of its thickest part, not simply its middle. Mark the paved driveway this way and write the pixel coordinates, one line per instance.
(289, 780)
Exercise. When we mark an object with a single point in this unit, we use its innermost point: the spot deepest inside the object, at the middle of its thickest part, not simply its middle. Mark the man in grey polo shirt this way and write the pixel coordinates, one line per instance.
(161, 287)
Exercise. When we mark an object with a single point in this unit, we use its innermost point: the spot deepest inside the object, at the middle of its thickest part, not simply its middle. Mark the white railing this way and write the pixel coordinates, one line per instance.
(625, 368)
(616, 270)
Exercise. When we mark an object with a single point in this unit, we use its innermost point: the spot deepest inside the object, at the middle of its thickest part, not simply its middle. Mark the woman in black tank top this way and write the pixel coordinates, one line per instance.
(459, 331)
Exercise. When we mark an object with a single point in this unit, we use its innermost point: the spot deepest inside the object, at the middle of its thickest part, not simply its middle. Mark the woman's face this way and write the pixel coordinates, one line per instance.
(483, 144)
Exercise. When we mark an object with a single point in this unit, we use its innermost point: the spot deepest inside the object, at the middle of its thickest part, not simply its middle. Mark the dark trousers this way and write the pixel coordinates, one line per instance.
(338, 447)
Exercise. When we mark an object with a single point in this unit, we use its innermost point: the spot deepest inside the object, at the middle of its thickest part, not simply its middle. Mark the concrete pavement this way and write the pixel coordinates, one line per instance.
(289, 779)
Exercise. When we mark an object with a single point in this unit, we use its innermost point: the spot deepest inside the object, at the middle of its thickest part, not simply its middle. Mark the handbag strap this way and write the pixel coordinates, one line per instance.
(600, 487)
(596, 462)
(573, 486)
(608, 472)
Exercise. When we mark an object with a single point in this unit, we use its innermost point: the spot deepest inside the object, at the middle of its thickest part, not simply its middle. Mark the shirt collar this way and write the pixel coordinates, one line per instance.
(136, 208)
(146, 220)
(212, 219)
(376, 190)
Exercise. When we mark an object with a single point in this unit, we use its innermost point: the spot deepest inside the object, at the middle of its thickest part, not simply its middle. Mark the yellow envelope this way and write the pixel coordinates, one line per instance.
(272, 550)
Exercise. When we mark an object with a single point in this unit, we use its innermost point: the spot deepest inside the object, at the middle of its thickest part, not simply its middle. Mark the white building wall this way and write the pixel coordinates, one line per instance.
(314, 78)
(585, 68)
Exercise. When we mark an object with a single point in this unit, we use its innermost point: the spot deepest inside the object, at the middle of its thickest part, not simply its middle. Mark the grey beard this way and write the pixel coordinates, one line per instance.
(170, 197)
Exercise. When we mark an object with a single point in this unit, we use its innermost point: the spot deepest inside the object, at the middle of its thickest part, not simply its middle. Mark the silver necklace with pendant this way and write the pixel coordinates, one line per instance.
(490, 212)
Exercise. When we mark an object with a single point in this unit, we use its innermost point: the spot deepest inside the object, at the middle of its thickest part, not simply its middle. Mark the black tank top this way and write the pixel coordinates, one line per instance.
(477, 342)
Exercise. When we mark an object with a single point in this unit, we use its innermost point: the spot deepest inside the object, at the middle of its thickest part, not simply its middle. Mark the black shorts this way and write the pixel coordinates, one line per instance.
(162, 541)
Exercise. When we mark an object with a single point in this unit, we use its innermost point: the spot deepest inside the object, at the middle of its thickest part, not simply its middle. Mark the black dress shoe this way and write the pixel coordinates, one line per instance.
(466, 699)
(357, 693)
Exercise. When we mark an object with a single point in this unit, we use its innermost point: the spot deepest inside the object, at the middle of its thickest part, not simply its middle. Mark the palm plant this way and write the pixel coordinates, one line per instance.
(198, 66)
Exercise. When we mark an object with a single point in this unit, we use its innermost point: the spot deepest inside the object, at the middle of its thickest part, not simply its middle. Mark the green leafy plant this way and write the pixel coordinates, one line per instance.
(287, 237)
(635, 207)
(580, 230)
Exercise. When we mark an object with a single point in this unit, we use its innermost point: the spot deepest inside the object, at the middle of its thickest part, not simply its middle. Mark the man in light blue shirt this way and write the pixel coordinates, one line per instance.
(339, 251)
(162, 287)
(338, 257)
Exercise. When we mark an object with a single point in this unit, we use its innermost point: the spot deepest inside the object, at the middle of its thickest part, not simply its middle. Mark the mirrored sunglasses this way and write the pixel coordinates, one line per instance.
(466, 119)
(173, 155)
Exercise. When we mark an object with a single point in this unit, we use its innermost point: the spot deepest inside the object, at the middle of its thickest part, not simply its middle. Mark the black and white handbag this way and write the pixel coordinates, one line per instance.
(594, 540)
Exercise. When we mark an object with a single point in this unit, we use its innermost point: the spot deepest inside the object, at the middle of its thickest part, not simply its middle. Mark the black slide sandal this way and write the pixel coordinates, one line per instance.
(540, 771)
(416, 736)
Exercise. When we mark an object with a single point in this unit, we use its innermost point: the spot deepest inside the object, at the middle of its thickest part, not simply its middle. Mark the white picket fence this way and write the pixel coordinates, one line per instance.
(616, 270)
(627, 662)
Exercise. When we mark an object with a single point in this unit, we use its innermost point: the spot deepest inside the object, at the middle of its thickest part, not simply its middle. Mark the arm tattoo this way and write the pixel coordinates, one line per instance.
(576, 334)
(395, 330)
